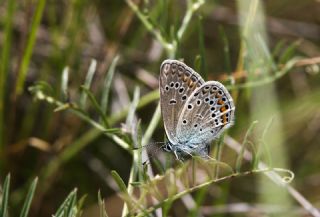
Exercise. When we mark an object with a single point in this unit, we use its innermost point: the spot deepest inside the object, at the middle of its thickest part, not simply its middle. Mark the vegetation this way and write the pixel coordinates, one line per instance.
(79, 108)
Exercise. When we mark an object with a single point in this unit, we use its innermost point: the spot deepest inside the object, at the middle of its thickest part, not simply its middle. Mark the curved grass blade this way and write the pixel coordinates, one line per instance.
(245, 141)
(30, 194)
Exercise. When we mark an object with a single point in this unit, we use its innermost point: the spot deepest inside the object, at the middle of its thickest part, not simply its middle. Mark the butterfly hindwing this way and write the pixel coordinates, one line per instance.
(207, 113)
(177, 82)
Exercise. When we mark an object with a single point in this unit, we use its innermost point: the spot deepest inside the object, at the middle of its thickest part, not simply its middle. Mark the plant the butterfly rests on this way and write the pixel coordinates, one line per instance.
(194, 112)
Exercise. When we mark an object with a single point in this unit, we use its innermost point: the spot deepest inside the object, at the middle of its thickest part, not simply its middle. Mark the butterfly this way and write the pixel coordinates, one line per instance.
(194, 112)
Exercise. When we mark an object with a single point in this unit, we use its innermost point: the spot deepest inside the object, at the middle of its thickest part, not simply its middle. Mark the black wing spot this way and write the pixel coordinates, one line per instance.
(206, 99)
(181, 89)
(220, 92)
(172, 101)
(213, 115)
(198, 102)
(177, 84)
(195, 125)
(184, 97)
(167, 88)
(189, 106)
(211, 102)
(184, 121)
(171, 84)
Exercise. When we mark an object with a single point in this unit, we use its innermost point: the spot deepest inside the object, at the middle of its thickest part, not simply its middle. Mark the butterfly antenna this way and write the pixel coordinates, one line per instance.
(147, 145)
(147, 162)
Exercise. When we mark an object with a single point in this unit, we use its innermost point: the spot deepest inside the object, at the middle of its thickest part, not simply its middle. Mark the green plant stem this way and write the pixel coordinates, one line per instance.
(205, 184)
(192, 7)
(4, 62)
(22, 73)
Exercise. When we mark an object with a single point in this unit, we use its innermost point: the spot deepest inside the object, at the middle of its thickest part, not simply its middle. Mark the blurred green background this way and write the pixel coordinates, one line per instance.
(266, 52)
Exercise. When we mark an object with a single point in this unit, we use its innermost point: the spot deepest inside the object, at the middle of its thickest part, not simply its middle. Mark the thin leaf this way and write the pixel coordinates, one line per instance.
(64, 84)
(278, 48)
(94, 102)
(5, 196)
(30, 194)
(289, 52)
(131, 119)
(107, 85)
(122, 186)
(87, 83)
(62, 209)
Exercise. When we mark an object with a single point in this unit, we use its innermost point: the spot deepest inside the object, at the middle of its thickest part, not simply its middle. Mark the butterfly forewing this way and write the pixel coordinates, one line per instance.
(206, 114)
(177, 82)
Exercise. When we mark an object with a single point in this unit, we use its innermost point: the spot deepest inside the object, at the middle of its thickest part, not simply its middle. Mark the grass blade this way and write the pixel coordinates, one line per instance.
(107, 85)
(22, 73)
(87, 83)
(5, 196)
(30, 194)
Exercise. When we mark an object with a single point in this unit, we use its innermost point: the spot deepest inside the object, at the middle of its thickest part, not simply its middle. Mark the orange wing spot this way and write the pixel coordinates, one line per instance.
(185, 78)
(224, 119)
(220, 102)
(222, 109)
